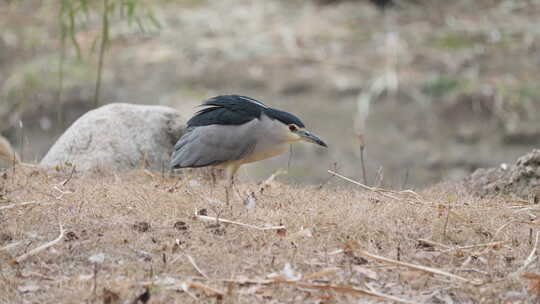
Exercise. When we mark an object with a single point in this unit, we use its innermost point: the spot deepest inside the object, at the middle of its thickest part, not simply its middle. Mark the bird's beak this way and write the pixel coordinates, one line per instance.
(307, 136)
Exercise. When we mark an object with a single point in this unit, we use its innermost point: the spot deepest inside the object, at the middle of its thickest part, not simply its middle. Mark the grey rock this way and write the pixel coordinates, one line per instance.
(521, 179)
(119, 136)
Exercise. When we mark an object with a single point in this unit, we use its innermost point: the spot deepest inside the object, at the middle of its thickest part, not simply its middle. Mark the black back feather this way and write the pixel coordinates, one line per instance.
(237, 110)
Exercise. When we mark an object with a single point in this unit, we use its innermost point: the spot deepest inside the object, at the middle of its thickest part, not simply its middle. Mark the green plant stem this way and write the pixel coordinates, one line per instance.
(63, 32)
(104, 43)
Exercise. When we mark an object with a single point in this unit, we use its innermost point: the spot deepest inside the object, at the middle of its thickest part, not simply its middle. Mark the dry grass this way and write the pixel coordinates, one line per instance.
(462, 248)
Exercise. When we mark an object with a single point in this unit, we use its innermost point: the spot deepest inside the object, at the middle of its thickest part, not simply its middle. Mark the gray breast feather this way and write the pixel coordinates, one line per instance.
(212, 145)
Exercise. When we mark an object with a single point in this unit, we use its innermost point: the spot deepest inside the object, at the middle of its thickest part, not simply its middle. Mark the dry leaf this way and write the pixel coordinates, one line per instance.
(110, 297)
(534, 283)
(351, 246)
(282, 232)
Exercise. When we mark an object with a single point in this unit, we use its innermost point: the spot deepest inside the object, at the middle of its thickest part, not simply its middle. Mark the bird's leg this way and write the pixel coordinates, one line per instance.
(213, 177)
(231, 170)
(229, 188)
(227, 185)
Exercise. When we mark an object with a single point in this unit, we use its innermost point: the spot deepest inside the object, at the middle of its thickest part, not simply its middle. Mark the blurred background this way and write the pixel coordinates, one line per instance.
(431, 89)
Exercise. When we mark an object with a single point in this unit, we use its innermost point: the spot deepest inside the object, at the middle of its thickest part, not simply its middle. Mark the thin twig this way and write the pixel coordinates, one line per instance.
(532, 255)
(21, 126)
(349, 290)
(12, 245)
(364, 175)
(208, 290)
(504, 226)
(192, 261)
(215, 219)
(19, 205)
(372, 189)
(318, 274)
(416, 267)
(405, 179)
(336, 288)
(290, 157)
(433, 243)
(491, 244)
(69, 177)
(271, 179)
(380, 177)
(248, 281)
(95, 280)
(449, 248)
(446, 221)
(42, 247)
(185, 287)
(391, 194)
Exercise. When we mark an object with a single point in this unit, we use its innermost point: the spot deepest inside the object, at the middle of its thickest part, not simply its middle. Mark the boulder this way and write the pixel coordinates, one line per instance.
(521, 179)
(119, 136)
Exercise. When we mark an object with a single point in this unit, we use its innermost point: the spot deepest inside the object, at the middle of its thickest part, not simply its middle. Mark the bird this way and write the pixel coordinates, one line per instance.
(232, 130)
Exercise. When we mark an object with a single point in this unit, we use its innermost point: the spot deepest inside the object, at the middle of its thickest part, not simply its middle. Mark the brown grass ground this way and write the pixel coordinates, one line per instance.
(145, 227)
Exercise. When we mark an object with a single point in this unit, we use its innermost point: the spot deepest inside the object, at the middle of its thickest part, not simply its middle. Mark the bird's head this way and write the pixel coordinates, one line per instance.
(298, 133)
(293, 127)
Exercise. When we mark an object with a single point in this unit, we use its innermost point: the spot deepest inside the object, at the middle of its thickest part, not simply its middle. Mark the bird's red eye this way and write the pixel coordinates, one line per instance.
(292, 128)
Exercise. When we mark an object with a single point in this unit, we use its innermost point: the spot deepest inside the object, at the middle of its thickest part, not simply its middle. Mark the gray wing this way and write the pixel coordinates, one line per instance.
(212, 145)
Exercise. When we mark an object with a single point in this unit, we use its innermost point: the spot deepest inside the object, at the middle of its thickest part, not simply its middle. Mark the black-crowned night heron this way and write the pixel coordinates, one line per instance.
(233, 130)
